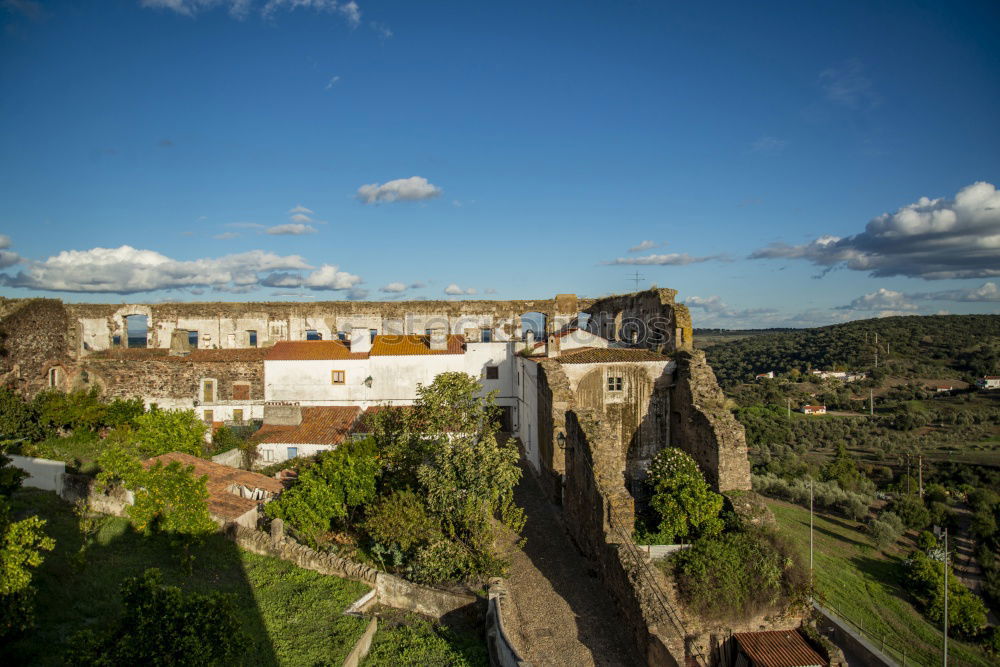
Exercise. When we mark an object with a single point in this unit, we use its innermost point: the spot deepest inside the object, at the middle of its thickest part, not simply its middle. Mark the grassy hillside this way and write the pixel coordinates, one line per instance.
(864, 584)
(945, 346)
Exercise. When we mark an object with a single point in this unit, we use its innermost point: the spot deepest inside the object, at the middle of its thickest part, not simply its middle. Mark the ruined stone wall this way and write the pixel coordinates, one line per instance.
(33, 338)
(704, 427)
(172, 377)
(599, 515)
(649, 319)
(554, 398)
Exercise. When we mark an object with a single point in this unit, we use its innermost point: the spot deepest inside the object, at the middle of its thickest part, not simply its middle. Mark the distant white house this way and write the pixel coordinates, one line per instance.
(941, 388)
(989, 382)
(765, 376)
(845, 376)
(814, 409)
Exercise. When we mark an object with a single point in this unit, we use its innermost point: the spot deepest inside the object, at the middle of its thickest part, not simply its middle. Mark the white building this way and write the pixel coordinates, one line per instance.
(989, 382)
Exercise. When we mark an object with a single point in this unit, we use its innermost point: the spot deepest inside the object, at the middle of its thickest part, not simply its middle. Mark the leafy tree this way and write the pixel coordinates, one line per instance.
(399, 523)
(18, 418)
(21, 546)
(331, 489)
(912, 511)
(925, 579)
(885, 529)
(686, 505)
(161, 431)
(926, 541)
(123, 412)
(843, 470)
(161, 625)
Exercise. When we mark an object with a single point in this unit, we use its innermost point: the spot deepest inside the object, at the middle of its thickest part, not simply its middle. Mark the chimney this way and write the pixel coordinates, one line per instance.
(361, 340)
(529, 339)
(552, 346)
(282, 413)
(439, 339)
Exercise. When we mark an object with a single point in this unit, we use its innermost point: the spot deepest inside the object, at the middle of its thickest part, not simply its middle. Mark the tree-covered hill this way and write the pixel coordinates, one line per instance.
(929, 346)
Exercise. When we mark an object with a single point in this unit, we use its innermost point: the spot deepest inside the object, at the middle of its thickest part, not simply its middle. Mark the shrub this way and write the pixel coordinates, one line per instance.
(912, 511)
(925, 578)
(687, 507)
(19, 419)
(161, 431)
(161, 625)
(400, 522)
(736, 575)
(885, 529)
(926, 541)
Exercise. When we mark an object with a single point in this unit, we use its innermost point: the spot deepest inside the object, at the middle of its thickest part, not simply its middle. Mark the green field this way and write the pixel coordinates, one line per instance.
(863, 584)
(293, 616)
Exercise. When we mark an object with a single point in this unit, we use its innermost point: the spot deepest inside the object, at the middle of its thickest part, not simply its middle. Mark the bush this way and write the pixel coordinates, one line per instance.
(19, 419)
(912, 511)
(400, 523)
(926, 541)
(687, 507)
(737, 575)
(161, 625)
(925, 578)
(828, 496)
(161, 431)
(885, 529)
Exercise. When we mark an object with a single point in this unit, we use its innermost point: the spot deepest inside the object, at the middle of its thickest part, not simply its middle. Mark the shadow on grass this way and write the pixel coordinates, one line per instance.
(74, 595)
(840, 537)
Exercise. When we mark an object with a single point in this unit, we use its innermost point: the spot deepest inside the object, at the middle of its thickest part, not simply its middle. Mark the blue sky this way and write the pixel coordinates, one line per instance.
(322, 150)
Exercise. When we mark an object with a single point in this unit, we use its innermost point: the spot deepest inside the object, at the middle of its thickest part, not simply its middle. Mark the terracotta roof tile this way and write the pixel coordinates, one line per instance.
(778, 648)
(222, 502)
(311, 350)
(399, 345)
(327, 425)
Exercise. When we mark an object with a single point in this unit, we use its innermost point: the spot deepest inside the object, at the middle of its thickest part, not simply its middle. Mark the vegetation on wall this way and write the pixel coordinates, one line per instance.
(686, 508)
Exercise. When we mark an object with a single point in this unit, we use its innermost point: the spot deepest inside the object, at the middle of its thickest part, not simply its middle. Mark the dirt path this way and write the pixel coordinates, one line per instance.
(560, 610)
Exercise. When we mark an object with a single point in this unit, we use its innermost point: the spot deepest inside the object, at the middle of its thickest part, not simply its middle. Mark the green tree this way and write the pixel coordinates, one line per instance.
(161, 431)
(925, 579)
(331, 489)
(21, 546)
(912, 511)
(843, 470)
(18, 418)
(161, 625)
(687, 507)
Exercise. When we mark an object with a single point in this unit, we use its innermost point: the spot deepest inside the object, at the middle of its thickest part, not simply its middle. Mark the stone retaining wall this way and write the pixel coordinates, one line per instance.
(502, 650)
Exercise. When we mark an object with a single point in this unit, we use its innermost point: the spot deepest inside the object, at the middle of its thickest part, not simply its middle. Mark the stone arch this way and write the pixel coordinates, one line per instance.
(535, 321)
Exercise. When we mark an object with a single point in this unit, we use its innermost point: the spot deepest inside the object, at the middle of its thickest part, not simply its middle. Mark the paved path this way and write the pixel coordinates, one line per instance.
(561, 612)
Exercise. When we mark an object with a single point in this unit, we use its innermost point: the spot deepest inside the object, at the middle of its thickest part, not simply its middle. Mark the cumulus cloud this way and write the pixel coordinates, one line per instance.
(393, 288)
(300, 217)
(881, 299)
(128, 270)
(931, 239)
(291, 229)
(642, 245)
(985, 293)
(7, 257)
(455, 290)
(414, 188)
(669, 259)
(330, 277)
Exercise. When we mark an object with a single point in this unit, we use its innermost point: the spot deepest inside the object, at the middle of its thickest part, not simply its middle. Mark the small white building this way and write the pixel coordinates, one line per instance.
(814, 409)
(989, 382)
(765, 376)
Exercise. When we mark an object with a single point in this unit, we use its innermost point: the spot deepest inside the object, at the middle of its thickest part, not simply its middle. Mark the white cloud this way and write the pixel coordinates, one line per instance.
(413, 188)
(455, 290)
(331, 83)
(330, 277)
(245, 225)
(881, 299)
(931, 239)
(225, 236)
(240, 9)
(987, 292)
(291, 229)
(393, 288)
(418, 285)
(669, 259)
(300, 217)
(5, 242)
(643, 245)
(299, 208)
(128, 270)
(716, 309)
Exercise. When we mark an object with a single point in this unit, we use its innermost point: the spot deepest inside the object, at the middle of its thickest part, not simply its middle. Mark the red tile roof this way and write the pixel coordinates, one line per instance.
(326, 425)
(222, 502)
(778, 648)
(400, 345)
(311, 350)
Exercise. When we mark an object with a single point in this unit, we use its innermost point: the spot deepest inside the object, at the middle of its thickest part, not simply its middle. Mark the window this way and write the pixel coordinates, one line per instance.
(268, 454)
(208, 391)
(208, 416)
(337, 377)
(492, 372)
(241, 391)
(55, 376)
(252, 338)
(487, 335)
(193, 338)
(237, 415)
(312, 334)
(292, 452)
(614, 383)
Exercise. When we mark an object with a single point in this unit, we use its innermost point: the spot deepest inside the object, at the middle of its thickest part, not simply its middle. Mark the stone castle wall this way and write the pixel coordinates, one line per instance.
(33, 339)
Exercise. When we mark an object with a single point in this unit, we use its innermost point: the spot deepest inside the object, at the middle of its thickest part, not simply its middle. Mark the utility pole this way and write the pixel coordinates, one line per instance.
(920, 474)
(946, 596)
(788, 407)
(636, 278)
(876, 357)
(810, 535)
(871, 403)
